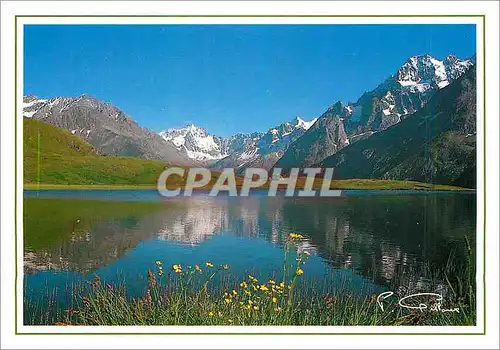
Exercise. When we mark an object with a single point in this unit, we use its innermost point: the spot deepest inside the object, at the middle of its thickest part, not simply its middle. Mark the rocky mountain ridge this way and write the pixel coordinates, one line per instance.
(104, 126)
(402, 94)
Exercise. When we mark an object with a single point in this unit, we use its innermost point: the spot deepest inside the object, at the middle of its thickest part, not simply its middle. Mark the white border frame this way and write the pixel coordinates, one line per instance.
(223, 8)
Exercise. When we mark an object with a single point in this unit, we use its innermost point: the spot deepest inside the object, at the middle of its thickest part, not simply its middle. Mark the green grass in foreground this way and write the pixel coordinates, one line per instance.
(179, 295)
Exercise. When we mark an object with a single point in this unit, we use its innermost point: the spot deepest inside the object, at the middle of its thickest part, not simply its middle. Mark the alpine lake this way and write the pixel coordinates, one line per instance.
(364, 242)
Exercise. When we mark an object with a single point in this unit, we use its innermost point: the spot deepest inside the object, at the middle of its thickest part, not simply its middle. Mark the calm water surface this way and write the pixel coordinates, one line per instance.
(366, 238)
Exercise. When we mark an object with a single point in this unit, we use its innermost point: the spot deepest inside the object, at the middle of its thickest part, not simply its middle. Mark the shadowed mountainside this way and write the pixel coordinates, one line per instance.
(436, 144)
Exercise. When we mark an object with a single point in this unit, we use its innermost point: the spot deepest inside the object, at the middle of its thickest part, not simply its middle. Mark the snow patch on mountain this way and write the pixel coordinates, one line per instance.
(33, 102)
(31, 105)
(301, 123)
(248, 154)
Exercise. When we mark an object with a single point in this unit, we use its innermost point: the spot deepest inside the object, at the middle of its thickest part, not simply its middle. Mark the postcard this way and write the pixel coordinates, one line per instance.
(245, 174)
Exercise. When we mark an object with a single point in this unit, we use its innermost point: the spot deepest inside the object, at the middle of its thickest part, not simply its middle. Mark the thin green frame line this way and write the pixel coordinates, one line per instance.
(250, 16)
(245, 16)
(484, 173)
(15, 175)
(240, 333)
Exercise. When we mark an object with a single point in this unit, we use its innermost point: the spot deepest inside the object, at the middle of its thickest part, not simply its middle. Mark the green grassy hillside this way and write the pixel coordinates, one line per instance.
(53, 140)
(67, 159)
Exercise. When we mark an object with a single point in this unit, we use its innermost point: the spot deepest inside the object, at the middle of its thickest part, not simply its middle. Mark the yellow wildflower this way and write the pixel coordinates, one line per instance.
(275, 300)
(210, 313)
(224, 267)
(209, 264)
(271, 282)
(243, 284)
(177, 268)
(235, 292)
(256, 307)
(295, 236)
(247, 292)
(264, 288)
(282, 284)
(158, 262)
(251, 278)
(299, 271)
(197, 268)
(228, 300)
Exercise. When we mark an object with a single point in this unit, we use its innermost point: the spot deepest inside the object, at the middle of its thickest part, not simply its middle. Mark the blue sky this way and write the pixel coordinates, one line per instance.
(226, 78)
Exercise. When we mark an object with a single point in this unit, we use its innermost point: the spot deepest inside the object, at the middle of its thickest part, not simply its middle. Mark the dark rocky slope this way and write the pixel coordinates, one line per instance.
(436, 144)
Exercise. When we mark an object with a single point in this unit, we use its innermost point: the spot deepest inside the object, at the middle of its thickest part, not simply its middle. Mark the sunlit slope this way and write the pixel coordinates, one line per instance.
(54, 156)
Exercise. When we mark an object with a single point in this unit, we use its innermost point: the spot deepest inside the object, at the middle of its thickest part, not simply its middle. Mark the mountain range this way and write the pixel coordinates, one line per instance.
(296, 143)
(238, 151)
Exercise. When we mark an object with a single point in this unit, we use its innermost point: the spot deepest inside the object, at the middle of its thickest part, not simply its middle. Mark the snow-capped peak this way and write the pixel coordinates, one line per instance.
(195, 141)
(198, 144)
(419, 73)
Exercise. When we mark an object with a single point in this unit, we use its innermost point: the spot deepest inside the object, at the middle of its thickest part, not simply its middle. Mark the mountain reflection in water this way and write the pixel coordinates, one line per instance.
(373, 236)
